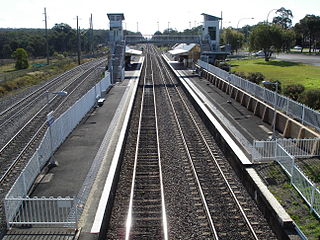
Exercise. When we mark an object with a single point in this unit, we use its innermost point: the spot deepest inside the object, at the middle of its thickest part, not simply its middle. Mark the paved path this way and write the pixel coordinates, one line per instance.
(299, 58)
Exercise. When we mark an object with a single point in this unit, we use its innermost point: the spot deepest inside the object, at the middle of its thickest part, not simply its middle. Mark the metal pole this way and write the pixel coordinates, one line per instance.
(275, 112)
(46, 31)
(229, 86)
(78, 40)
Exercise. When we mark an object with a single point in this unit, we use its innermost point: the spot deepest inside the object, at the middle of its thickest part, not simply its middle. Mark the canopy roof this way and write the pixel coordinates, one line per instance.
(130, 51)
(182, 48)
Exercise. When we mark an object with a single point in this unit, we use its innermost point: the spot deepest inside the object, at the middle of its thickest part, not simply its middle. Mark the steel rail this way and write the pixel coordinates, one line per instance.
(42, 91)
(190, 158)
(47, 84)
(43, 126)
(163, 209)
(213, 156)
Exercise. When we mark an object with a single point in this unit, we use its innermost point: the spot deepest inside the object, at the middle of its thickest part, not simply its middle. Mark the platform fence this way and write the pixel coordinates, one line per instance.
(290, 107)
(19, 207)
(284, 152)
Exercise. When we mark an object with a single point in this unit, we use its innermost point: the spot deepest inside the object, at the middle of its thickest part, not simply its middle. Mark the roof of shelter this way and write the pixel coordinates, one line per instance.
(131, 51)
(182, 48)
(116, 14)
(208, 17)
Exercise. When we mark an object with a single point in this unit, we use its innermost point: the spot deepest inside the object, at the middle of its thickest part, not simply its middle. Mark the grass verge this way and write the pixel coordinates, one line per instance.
(286, 72)
(9, 87)
(279, 185)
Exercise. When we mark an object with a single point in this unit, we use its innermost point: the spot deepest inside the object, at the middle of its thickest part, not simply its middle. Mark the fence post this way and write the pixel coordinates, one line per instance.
(6, 209)
(24, 183)
(275, 149)
(253, 155)
(76, 213)
(292, 169)
(287, 106)
(312, 197)
(303, 114)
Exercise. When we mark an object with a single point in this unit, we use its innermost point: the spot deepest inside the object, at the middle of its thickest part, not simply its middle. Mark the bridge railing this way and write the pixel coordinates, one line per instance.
(290, 107)
(19, 207)
(133, 39)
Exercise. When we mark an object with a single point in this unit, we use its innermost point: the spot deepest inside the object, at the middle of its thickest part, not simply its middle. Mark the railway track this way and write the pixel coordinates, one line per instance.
(201, 194)
(21, 109)
(32, 131)
(146, 214)
(20, 147)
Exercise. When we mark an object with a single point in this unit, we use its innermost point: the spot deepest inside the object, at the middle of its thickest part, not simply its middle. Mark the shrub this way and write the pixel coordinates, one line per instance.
(256, 77)
(293, 91)
(272, 87)
(312, 98)
(240, 74)
(21, 57)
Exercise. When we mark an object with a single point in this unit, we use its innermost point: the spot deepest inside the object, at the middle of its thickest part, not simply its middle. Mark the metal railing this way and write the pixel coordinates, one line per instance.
(19, 207)
(41, 211)
(290, 107)
(283, 151)
(299, 148)
(134, 39)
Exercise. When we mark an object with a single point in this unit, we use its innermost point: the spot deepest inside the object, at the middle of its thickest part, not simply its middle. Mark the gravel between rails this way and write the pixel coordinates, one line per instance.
(185, 210)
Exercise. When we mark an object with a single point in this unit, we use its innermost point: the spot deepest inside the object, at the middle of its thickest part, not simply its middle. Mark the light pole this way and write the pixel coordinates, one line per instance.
(241, 20)
(275, 106)
(50, 120)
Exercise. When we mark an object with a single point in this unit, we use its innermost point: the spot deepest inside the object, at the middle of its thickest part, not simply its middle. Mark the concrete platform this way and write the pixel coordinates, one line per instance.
(238, 127)
(84, 160)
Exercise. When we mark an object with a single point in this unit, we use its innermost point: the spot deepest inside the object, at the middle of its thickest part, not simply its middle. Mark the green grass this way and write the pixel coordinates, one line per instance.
(289, 198)
(32, 78)
(286, 72)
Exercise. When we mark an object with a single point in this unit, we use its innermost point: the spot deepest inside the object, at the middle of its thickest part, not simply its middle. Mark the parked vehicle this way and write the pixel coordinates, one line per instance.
(297, 48)
(258, 54)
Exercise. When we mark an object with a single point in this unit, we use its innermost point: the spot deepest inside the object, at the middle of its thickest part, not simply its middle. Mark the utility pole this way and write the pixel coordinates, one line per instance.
(46, 31)
(78, 37)
(91, 35)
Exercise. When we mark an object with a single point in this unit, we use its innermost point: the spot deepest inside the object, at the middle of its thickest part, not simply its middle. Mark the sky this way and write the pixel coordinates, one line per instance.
(147, 16)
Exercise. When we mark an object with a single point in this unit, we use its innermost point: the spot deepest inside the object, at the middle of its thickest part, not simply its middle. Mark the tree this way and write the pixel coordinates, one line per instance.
(63, 38)
(233, 37)
(157, 33)
(269, 38)
(6, 50)
(284, 19)
(308, 29)
(288, 39)
(21, 57)
(170, 31)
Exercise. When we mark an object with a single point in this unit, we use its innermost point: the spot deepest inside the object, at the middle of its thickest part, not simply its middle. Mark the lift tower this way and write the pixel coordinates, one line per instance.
(117, 47)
